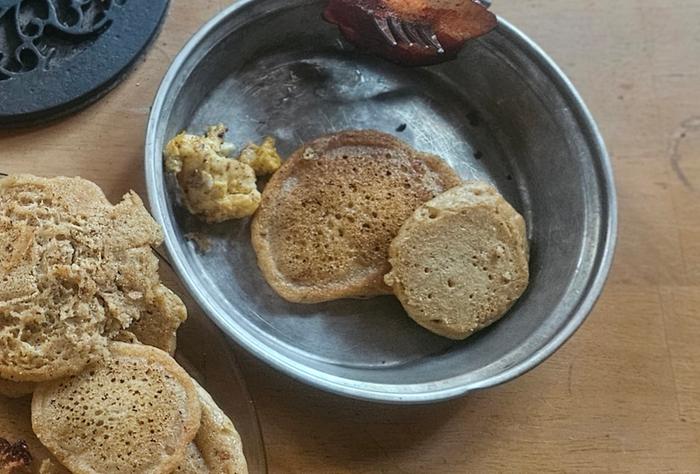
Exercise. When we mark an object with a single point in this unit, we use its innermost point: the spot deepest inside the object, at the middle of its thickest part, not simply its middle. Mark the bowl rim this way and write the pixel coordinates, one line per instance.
(395, 393)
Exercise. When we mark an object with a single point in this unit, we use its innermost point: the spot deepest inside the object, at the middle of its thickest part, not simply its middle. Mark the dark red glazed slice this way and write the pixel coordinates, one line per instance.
(14, 457)
(454, 22)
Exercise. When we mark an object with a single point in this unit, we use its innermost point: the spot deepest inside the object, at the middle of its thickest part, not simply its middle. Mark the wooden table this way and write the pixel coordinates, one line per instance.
(624, 394)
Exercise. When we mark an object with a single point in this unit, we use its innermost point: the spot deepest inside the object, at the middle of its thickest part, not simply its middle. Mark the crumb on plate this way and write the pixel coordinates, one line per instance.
(201, 241)
(263, 158)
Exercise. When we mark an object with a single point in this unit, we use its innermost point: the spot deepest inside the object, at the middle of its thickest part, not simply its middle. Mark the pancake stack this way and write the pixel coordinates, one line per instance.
(217, 447)
(77, 271)
(79, 275)
(136, 411)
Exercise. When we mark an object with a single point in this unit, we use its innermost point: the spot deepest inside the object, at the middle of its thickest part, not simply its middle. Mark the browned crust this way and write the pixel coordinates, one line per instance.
(149, 354)
(371, 285)
(217, 440)
(438, 165)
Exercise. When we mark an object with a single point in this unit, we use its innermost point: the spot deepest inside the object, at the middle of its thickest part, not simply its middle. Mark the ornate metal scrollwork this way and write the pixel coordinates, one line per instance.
(38, 33)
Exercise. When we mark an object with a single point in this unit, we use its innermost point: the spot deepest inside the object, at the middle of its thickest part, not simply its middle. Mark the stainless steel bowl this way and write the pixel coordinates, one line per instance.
(503, 112)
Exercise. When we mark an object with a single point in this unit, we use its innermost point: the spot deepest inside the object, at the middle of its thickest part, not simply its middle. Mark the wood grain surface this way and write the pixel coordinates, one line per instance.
(624, 394)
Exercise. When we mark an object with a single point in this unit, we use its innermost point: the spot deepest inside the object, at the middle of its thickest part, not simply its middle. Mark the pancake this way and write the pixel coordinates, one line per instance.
(76, 271)
(194, 462)
(136, 412)
(217, 447)
(328, 215)
(461, 261)
(162, 315)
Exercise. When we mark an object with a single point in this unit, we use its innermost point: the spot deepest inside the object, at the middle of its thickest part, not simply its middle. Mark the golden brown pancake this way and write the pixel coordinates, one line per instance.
(329, 214)
(135, 412)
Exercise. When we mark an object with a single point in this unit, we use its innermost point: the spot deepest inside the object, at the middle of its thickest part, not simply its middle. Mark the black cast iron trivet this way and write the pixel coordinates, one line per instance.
(57, 56)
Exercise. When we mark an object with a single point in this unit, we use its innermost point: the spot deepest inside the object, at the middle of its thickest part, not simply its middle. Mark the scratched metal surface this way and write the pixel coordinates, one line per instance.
(501, 113)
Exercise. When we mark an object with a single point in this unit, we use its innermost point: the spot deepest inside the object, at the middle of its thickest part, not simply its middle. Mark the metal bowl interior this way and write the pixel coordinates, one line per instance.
(502, 112)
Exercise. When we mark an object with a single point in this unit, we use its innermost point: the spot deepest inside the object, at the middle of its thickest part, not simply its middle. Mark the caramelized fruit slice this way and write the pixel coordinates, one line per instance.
(453, 21)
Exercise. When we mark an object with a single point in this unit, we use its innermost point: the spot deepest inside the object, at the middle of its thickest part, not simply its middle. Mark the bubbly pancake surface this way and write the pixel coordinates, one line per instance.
(76, 271)
(461, 261)
(135, 412)
(328, 215)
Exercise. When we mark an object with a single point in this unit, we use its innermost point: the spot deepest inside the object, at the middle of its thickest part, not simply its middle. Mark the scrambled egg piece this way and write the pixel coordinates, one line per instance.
(216, 188)
(263, 158)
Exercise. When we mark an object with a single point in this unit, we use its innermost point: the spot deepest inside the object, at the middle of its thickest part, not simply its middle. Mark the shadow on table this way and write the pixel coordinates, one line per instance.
(317, 431)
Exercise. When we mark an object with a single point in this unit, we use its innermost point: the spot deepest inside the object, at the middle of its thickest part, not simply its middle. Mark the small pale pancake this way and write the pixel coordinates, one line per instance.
(76, 271)
(12, 389)
(217, 447)
(16, 425)
(135, 412)
(328, 215)
(461, 261)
